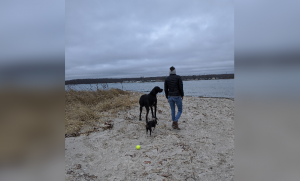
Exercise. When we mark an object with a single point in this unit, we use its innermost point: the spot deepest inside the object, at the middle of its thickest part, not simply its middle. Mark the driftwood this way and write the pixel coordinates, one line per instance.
(108, 125)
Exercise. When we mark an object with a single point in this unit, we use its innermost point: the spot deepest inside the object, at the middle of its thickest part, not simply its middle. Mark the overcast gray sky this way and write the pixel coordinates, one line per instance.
(132, 38)
(31, 30)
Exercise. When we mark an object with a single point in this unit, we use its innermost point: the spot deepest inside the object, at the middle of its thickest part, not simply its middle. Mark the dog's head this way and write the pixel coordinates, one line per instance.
(153, 120)
(156, 123)
(156, 90)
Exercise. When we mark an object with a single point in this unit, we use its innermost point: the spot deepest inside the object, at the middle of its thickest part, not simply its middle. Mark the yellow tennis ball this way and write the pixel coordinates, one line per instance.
(138, 147)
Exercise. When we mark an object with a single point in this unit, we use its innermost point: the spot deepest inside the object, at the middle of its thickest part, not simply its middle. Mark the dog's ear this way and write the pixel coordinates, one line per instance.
(157, 89)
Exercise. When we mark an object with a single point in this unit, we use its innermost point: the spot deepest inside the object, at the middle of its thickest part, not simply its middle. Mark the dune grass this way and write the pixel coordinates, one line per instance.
(87, 109)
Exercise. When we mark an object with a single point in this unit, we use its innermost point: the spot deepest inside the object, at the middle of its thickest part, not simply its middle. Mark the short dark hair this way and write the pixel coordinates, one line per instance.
(172, 68)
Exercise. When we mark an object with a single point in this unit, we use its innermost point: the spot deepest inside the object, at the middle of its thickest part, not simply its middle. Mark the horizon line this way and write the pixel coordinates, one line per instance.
(145, 77)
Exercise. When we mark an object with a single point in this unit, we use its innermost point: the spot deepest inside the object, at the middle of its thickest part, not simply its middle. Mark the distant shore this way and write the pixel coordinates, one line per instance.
(147, 79)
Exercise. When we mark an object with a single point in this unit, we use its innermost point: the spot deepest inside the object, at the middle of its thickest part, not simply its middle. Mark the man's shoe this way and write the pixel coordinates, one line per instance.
(175, 125)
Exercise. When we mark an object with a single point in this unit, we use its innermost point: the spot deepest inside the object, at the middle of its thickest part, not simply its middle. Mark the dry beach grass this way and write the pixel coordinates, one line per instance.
(87, 109)
(202, 150)
(31, 125)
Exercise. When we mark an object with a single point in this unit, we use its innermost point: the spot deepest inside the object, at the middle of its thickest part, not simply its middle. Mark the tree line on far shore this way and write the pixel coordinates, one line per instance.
(147, 79)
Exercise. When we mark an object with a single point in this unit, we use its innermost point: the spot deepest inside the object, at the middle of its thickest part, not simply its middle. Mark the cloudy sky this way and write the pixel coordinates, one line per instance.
(115, 39)
(31, 29)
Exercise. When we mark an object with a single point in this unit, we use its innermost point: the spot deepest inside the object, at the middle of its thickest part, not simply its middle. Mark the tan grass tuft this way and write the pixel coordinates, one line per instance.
(87, 109)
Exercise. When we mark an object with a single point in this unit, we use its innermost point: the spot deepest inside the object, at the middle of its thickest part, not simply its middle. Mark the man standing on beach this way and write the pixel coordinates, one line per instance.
(174, 94)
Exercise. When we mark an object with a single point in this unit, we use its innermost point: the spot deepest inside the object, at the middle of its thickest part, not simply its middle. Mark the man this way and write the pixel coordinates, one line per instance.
(174, 94)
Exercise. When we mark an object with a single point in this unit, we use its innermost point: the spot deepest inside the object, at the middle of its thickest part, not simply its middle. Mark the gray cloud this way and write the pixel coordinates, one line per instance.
(30, 30)
(144, 38)
(267, 26)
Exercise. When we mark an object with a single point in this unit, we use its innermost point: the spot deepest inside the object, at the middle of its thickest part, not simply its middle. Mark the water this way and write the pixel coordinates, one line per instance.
(205, 88)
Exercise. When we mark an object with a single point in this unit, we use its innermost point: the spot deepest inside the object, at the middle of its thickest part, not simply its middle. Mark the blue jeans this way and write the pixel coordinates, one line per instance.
(178, 102)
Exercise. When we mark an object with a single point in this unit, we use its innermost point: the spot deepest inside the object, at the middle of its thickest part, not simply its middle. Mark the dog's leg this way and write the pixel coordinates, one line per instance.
(150, 131)
(155, 110)
(147, 108)
(141, 109)
(152, 112)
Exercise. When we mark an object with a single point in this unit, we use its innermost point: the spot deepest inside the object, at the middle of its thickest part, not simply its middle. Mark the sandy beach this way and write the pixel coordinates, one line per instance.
(202, 150)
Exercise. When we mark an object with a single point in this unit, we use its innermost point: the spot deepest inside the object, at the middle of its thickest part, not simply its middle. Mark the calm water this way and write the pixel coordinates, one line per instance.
(204, 88)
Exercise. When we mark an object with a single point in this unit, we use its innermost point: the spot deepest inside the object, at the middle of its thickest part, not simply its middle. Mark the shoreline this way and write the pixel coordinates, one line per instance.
(206, 141)
(191, 88)
(193, 96)
(217, 97)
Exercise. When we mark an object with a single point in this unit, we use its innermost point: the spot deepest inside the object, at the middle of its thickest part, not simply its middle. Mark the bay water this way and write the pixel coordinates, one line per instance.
(223, 88)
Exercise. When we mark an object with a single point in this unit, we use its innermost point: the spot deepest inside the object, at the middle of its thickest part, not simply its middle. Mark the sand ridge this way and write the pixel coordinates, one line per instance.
(202, 150)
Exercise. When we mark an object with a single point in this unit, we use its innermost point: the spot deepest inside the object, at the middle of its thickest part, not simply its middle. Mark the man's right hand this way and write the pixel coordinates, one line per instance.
(182, 98)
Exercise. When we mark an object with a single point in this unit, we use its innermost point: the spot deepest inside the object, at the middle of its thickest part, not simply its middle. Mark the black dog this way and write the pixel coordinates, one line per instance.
(149, 126)
(149, 100)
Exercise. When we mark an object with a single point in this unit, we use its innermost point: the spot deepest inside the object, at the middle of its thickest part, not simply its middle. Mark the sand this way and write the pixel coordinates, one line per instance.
(202, 150)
